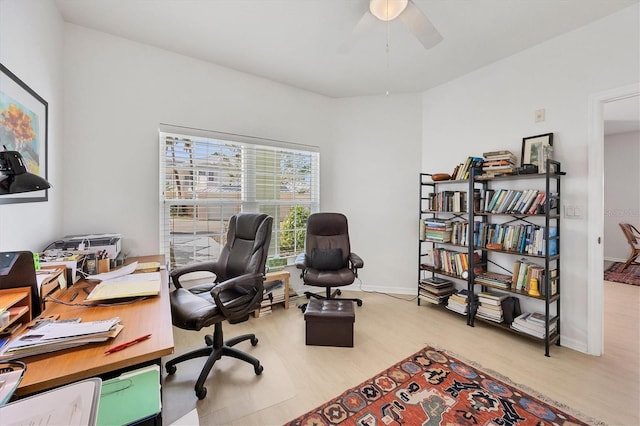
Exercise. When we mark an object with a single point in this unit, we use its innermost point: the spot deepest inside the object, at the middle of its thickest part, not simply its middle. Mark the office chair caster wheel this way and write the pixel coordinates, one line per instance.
(359, 302)
(171, 369)
(338, 292)
(208, 340)
(254, 341)
(258, 370)
(201, 393)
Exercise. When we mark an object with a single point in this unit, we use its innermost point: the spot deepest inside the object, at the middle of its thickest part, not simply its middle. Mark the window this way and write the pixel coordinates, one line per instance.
(207, 177)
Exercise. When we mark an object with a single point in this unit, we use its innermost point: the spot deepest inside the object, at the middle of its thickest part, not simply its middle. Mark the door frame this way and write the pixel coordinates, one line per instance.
(595, 223)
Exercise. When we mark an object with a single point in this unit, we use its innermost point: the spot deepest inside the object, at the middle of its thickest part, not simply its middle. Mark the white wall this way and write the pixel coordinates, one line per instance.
(118, 92)
(115, 99)
(372, 176)
(31, 48)
(493, 108)
(621, 192)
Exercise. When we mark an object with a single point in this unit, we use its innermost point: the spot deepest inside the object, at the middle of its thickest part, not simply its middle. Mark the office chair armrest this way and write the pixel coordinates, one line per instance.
(196, 267)
(356, 261)
(302, 261)
(247, 287)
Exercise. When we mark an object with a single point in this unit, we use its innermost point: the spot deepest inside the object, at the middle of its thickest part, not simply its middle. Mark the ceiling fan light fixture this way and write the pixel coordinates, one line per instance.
(387, 10)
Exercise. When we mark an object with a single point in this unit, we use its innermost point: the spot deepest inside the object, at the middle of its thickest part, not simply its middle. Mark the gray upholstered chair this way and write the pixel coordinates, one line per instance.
(236, 292)
(327, 260)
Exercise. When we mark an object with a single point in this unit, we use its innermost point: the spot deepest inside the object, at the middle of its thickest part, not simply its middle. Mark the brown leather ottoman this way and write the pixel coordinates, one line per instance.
(329, 322)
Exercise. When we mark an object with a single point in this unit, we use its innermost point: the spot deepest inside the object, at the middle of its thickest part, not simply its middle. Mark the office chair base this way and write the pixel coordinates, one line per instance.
(216, 348)
(329, 295)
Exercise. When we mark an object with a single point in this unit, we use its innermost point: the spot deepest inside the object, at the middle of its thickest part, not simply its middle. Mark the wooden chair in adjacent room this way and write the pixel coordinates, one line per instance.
(633, 238)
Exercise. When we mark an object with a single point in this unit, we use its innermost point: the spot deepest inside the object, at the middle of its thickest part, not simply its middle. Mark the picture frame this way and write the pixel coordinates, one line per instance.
(24, 117)
(535, 149)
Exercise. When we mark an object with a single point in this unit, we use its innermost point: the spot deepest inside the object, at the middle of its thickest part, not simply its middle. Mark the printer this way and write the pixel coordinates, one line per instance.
(93, 243)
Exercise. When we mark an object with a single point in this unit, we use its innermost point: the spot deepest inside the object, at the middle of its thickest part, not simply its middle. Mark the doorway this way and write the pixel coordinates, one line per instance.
(595, 308)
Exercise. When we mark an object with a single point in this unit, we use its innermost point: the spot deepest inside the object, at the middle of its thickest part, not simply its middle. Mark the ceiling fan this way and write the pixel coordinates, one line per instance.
(404, 10)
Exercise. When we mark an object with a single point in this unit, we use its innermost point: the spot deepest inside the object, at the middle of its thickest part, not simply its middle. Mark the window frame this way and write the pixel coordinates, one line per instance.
(251, 149)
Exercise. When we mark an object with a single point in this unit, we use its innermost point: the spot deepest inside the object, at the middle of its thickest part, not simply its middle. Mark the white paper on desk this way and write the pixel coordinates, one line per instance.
(58, 331)
(131, 278)
(125, 270)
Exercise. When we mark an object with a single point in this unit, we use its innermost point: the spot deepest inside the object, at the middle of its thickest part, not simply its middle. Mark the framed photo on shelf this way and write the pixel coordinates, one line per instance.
(536, 149)
(23, 128)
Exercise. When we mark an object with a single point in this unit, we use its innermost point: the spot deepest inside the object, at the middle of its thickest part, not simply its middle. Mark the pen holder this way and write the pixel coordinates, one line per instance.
(103, 266)
(91, 264)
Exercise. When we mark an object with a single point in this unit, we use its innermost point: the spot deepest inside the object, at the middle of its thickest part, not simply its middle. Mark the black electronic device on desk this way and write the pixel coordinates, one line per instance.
(17, 269)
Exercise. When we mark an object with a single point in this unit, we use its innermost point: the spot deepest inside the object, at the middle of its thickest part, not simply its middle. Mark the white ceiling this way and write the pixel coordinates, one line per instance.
(298, 42)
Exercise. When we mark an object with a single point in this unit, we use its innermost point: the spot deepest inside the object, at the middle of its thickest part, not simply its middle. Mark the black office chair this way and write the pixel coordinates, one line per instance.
(327, 260)
(236, 292)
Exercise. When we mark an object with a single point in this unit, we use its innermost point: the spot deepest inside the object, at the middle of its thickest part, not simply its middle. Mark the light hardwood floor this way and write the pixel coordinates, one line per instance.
(388, 329)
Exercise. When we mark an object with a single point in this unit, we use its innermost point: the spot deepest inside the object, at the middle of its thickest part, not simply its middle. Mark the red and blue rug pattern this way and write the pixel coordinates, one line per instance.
(433, 388)
(630, 275)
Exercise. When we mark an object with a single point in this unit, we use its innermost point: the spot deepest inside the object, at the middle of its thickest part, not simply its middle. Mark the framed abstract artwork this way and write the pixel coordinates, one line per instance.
(23, 128)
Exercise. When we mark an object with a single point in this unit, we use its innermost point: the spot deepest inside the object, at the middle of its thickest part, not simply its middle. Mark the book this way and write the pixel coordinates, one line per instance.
(553, 242)
(494, 199)
(532, 207)
(491, 298)
(495, 279)
(523, 324)
(496, 153)
(436, 281)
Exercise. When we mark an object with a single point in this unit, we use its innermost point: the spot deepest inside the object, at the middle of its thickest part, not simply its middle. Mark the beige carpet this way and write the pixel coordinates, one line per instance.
(246, 393)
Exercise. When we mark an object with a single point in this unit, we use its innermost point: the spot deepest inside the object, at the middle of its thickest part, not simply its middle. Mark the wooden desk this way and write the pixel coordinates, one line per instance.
(152, 315)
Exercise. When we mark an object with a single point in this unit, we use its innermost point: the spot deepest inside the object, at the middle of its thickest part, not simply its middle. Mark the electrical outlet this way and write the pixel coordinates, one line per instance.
(539, 115)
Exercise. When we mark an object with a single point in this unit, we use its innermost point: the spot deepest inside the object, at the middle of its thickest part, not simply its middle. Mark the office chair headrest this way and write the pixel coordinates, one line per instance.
(325, 224)
(247, 224)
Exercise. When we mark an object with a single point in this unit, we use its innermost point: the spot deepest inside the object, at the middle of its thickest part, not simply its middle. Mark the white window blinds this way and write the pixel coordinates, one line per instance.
(207, 177)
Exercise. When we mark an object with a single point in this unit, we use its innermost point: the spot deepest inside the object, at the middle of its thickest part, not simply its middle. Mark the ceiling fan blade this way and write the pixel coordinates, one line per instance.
(420, 26)
(363, 26)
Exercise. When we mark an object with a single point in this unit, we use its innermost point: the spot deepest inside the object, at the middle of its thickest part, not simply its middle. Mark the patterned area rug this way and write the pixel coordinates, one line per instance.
(433, 388)
(631, 275)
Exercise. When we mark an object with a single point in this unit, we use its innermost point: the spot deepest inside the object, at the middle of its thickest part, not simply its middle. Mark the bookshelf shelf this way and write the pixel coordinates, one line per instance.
(527, 231)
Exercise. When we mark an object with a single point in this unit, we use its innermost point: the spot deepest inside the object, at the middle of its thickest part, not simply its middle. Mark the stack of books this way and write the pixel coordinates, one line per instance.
(435, 290)
(457, 302)
(490, 307)
(498, 163)
(437, 230)
(494, 279)
(533, 324)
(273, 293)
